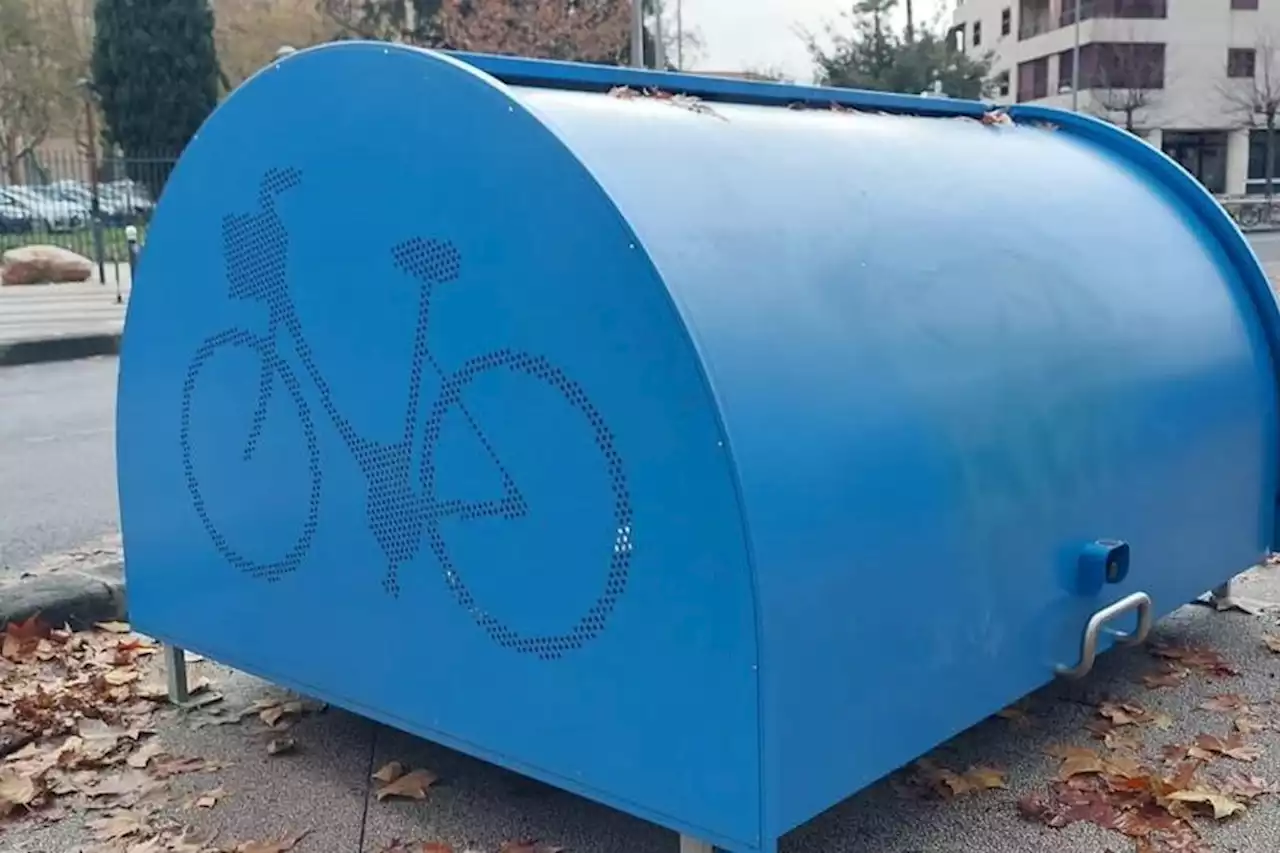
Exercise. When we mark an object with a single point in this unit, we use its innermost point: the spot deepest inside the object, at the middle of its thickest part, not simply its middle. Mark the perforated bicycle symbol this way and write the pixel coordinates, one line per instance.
(400, 512)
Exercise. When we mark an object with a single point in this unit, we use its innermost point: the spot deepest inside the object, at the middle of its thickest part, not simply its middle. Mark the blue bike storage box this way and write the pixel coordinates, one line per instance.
(680, 441)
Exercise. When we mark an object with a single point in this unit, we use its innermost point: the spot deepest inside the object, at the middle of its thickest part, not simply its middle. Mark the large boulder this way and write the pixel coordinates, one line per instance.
(43, 264)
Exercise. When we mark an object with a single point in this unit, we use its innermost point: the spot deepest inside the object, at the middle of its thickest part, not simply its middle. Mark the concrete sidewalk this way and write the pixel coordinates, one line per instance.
(51, 322)
(251, 768)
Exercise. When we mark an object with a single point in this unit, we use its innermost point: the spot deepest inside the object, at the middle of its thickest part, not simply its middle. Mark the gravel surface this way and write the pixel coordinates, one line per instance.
(322, 786)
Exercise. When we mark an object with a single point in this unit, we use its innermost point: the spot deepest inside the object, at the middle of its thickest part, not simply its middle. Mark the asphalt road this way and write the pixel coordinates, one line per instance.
(1267, 246)
(57, 459)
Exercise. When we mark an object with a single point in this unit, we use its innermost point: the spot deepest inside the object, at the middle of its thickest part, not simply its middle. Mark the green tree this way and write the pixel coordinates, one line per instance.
(155, 72)
(873, 54)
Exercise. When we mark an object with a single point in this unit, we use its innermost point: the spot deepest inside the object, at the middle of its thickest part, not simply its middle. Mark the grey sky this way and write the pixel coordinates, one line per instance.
(745, 34)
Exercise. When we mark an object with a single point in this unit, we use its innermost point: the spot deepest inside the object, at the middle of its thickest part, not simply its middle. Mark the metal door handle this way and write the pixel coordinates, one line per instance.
(1138, 601)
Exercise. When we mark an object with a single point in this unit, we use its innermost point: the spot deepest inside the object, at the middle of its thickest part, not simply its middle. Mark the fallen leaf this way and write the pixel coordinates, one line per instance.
(149, 750)
(15, 791)
(389, 772)
(1233, 746)
(1248, 724)
(281, 745)
(281, 846)
(151, 845)
(1167, 676)
(192, 840)
(1202, 660)
(986, 777)
(1077, 761)
(412, 786)
(1122, 714)
(1122, 739)
(99, 738)
(1226, 703)
(119, 824)
(1272, 642)
(1162, 721)
(209, 799)
(114, 627)
(1245, 787)
(1222, 805)
(173, 766)
(117, 784)
(121, 677)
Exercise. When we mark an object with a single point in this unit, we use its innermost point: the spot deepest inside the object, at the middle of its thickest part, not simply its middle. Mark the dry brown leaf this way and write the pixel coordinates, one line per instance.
(1167, 676)
(985, 778)
(1123, 739)
(1233, 746)
(1249, 724)
(389, 772)
(114, 627)
(1227, 703)
(1245, 787)
(119, 824)
(209, 799)
(173, 766)
(154, 844)
(1272, 642)
(141, 756)
(1206, 661)
(120, 677)
(117, 784)
(192, 840)
(282, 846)
(1122, 713)
(1223, 806)
(281, 745)
(16, 791)
(411, 786)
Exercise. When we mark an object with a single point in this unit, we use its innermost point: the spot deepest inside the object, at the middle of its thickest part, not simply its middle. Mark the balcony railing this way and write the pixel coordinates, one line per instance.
(1090, 9)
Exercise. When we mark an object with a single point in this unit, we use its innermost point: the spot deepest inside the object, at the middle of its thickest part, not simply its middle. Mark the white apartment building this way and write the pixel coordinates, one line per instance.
(1180, 73)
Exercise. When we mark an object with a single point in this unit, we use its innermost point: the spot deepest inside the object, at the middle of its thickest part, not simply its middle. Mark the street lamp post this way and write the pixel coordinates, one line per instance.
(679, 35)
(637, 33)
(1075, 63)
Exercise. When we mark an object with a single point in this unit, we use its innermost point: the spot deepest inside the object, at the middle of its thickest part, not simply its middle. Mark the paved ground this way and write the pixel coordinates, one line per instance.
(56, 310)
(323, 785)
(57, 459)
(1267, 246)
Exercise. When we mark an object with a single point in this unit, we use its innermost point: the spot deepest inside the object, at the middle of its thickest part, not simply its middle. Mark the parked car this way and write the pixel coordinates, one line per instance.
(15, 219)
(50, 210)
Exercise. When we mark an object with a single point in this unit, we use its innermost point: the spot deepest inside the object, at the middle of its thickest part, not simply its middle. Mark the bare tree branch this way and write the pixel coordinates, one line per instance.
(591, 30)
(1255, 102)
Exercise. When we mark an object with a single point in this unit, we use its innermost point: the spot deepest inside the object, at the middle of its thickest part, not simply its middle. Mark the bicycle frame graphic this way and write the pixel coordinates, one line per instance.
(400, 512)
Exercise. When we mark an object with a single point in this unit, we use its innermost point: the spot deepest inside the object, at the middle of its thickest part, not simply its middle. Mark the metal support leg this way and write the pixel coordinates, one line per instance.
(693, 845)
(175, 670)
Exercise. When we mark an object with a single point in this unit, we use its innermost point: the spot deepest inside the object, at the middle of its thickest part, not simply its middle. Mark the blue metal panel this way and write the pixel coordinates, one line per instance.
(536, 556)
(708, 442)
(945, 369)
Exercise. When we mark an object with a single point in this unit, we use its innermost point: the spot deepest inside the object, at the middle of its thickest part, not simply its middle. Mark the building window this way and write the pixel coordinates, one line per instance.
(1257, 182)
(1002, 84)
(977, 33)
(1033, 79)
(1202, 153)
(1006, 21)
(1115, 65)
(1241, 62)
(1244, 4)
(1114, 9)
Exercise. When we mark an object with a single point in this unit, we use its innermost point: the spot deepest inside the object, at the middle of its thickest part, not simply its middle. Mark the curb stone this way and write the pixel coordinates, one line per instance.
(66, 348)
(79, 599)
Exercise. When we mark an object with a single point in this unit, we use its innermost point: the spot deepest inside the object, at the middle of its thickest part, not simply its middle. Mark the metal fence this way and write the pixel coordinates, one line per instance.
(63, 200)
(1253, 213)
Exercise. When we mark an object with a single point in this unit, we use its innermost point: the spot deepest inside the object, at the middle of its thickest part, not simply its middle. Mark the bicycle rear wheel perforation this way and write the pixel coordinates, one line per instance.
(594, 620)
(272, 367)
